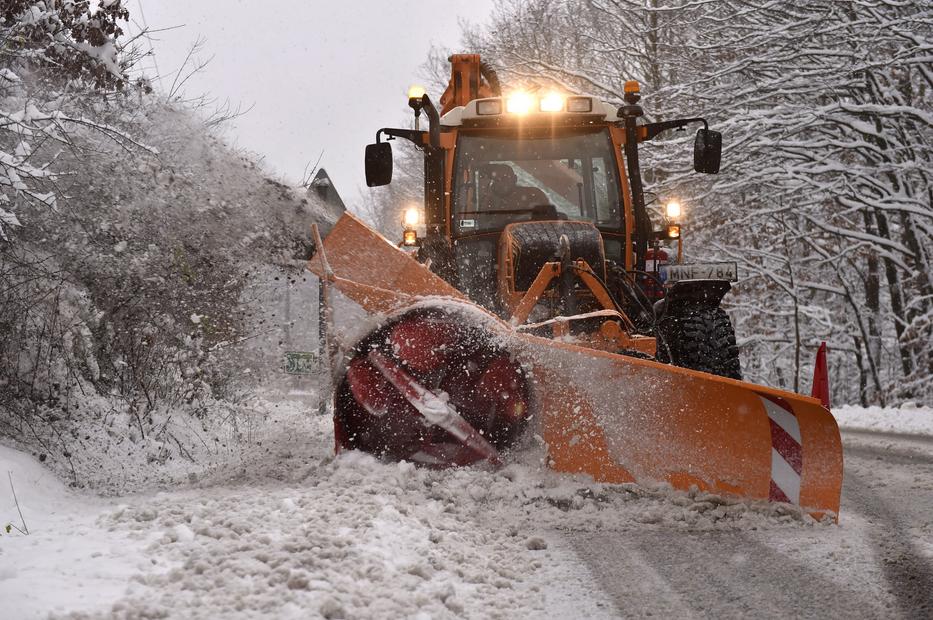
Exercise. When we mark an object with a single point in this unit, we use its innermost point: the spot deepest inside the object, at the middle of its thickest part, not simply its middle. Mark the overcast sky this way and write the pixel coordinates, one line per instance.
(321, 75)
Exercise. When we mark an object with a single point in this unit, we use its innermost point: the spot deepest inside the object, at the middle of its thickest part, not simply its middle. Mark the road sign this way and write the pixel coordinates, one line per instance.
(300, 363)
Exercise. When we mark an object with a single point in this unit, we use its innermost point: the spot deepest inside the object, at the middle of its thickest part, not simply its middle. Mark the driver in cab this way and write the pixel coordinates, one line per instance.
(503, 193)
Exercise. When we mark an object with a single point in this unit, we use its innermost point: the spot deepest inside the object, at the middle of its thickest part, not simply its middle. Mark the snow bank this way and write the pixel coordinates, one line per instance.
(908, 419)
(356, 538)
(113, 453)
(67, 562)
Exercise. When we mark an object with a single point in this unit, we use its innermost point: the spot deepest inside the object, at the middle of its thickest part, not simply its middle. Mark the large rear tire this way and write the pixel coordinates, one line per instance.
(701, 338)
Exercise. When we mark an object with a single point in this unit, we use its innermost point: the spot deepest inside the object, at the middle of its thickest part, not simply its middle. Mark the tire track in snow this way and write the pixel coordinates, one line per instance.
(880, 492)
(873, 565)
(717, 574)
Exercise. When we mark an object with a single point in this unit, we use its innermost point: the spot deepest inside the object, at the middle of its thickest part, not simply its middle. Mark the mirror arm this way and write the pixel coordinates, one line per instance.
(629, 114)
(653, 129)
(412, 135)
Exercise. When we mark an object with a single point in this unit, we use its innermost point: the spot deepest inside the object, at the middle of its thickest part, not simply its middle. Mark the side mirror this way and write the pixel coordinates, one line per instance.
(707, 151)
(378, 164)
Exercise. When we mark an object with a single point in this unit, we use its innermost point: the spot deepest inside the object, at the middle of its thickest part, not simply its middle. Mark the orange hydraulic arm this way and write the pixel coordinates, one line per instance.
(611, 334)
(469, 80)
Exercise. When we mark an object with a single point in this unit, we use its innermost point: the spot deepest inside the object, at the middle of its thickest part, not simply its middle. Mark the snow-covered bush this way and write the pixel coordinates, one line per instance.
(134, 286)
(58, 60)
(131, 237)
(68, 40)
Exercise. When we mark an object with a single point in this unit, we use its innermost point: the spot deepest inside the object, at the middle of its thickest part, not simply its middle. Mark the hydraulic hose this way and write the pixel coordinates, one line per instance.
(492, 78)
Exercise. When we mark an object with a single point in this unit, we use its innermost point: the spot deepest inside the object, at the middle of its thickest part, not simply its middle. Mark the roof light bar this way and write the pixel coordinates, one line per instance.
(489, 107)
(551, 102)
(579, 104)
(528, 107)
(519, 103)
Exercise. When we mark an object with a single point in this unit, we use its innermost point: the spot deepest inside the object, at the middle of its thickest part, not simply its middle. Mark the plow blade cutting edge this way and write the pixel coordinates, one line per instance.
(616, 418)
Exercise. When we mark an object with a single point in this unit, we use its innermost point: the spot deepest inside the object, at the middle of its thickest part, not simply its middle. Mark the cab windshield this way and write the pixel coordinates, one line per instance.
(500, 178)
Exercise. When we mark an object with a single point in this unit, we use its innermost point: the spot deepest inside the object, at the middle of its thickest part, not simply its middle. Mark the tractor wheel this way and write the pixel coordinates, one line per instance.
(701, 338)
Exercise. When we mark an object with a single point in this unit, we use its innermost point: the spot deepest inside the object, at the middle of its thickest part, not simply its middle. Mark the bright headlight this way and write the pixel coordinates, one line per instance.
(673, 210)
(412, 217)
(416, 91)
(519, 103)
(552, 102)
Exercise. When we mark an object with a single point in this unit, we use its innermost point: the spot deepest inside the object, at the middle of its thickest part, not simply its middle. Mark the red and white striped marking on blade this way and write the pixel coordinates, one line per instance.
(786, 451)
(434, 410)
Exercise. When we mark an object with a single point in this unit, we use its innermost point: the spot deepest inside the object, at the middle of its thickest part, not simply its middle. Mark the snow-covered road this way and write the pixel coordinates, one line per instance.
(289, 531)
(878, 563)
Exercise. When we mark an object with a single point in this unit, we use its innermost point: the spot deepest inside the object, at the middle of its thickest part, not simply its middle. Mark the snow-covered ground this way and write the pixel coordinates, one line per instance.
(68, 560)
(284, 529)
(287, 530)
(908, 419)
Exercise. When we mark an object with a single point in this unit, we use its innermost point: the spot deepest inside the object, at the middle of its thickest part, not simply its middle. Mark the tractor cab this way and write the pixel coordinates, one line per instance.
(506, 176)
(521, 181)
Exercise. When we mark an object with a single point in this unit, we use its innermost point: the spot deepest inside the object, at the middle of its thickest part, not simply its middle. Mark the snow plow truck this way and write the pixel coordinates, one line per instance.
(531, 295)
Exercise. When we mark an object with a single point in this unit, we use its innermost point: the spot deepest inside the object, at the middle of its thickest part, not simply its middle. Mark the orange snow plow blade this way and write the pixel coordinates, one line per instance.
(616, 418)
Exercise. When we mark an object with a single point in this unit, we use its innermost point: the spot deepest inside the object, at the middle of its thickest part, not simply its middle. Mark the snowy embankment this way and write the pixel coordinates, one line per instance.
(907, 419)
(67, 561)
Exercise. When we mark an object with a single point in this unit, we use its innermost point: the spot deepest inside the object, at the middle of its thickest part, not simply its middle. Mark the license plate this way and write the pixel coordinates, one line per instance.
(700, 271)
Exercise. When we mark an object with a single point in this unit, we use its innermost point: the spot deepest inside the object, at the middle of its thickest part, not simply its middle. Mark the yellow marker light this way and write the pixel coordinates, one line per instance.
(410, 237)
(412, 217)
(673, 231)
(552, 102)
(416, 92)
(519, 103)
(631, 86)
(673, 210)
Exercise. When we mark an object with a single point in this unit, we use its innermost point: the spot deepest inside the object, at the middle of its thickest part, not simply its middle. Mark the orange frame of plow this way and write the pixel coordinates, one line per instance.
(617, 329)
(621, 419)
